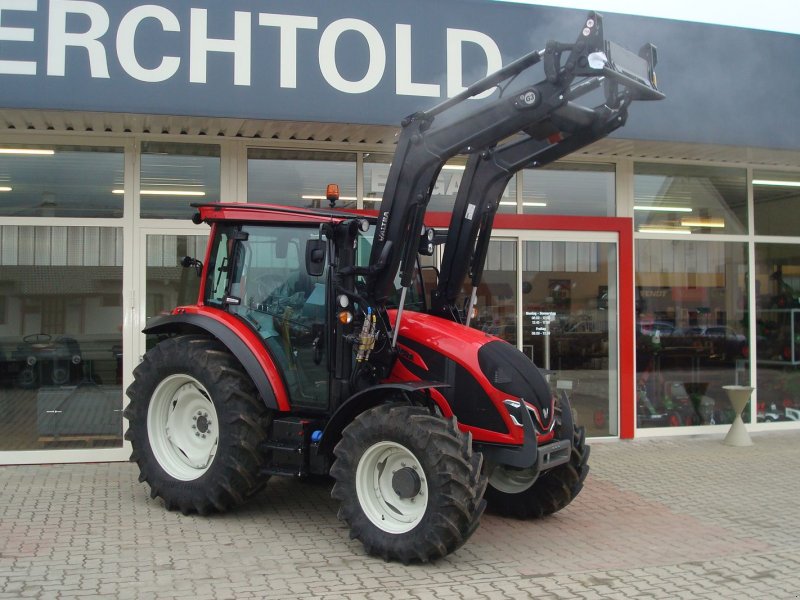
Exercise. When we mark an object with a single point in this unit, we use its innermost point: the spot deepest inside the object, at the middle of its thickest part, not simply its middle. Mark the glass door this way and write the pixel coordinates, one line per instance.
(163, 282)
(569, 315)
(554, 294)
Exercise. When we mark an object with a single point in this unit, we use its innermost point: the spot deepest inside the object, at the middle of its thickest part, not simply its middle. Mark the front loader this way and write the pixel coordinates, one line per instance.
(311, 349)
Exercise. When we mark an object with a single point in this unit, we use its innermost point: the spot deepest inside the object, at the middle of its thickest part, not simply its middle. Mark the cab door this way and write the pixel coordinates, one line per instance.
(270, 289)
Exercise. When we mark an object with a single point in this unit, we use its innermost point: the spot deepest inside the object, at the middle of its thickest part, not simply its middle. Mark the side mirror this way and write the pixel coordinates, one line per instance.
(188, 261)
(315, 257)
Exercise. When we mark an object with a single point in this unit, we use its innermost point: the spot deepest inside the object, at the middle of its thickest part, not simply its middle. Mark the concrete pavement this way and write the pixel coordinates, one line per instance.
(663, 518)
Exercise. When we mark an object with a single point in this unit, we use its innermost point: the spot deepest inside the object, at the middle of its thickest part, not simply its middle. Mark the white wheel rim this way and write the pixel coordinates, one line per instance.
(182, 427)
(512, 481)
(380, 502)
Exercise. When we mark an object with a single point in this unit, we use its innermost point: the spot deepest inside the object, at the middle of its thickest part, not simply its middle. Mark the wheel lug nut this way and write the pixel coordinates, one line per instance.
(197, 434)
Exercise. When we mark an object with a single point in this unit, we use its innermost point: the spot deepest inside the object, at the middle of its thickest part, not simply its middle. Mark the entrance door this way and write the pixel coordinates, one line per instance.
(162, 281)
(555, 295)
(569, 315)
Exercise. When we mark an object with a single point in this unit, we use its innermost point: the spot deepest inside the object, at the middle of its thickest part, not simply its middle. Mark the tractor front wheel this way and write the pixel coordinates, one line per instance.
(525, 494)
(196, 423)
(408, 483)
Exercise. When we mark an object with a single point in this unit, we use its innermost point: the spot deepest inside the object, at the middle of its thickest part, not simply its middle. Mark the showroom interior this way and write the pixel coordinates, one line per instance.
(643, 273)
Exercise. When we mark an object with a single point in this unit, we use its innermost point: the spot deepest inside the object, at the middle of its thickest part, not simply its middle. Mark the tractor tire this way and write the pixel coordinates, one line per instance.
(519, 493)
(408, 483)
(196, 424)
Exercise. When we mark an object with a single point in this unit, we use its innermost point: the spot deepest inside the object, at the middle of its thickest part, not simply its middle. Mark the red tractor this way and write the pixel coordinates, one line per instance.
(312, 348)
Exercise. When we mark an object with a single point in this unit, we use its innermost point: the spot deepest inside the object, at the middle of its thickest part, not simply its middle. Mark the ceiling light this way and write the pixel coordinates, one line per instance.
(353, 198)
(776, 182)
(5, 188)
(34, 151)
(453, 167)
(662, 229)
(703, 222)
(534, 204)
(165, 192)
(663, 208)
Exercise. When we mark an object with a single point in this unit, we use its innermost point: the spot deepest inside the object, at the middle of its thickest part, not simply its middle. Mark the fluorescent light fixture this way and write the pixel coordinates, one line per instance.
(33, 151)
(512, 203)
(662, 229)
(453, 167)
(5, 188)
(776, 182)
(164, 192)
(663, 208)
(703, 222)
(353, 198)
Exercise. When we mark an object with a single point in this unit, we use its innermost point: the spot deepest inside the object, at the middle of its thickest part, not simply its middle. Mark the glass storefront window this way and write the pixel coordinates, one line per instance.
(570, 189)
(776, 196)
(778, 332)
(174, 176)
(300, 177)
(61, 337)
(691, 331)
(569, 299)
(443, 196)
(61, 181)
(686, 199)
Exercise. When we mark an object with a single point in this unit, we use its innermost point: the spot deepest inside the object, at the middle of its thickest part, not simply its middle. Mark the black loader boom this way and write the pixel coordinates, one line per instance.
(545, 113)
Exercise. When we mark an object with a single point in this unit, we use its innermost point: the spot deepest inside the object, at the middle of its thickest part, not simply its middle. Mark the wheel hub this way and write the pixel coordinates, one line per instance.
(202, 423)
(406, 483)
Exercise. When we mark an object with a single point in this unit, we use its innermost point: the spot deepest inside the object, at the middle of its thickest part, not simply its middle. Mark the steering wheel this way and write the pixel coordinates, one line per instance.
(37, 338)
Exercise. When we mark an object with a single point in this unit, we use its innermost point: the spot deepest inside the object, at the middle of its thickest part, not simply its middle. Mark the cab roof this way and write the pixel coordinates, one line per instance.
(271, 213)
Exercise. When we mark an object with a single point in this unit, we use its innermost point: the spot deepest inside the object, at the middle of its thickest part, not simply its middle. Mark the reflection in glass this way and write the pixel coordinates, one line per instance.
(691, 331)
(570, 189)
(443, 196)
(776, 196)
(174, 176)
(686, 199)
(60, 337)
(569, 296)
(61, 181)
(300, 177)
(778, 332)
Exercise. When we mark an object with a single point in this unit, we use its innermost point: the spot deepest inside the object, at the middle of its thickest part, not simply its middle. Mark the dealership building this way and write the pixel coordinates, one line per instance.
(644, 272)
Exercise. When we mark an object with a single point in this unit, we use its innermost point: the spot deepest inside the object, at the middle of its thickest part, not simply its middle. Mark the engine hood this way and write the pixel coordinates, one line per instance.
(482, 370)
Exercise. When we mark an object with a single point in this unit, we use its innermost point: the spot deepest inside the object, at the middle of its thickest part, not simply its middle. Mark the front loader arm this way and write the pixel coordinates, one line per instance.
(486, 176)
(429, 138)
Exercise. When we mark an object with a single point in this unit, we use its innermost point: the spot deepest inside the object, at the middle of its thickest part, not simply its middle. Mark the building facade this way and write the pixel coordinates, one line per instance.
(644, 272)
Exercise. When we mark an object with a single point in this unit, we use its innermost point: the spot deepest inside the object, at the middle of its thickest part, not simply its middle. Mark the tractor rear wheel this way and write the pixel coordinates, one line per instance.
(408, 483)
(524, 494)
(196, 423)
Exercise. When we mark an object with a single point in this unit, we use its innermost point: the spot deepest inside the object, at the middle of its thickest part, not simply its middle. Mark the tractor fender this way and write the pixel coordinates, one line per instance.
(364, 400)
(188, 323)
